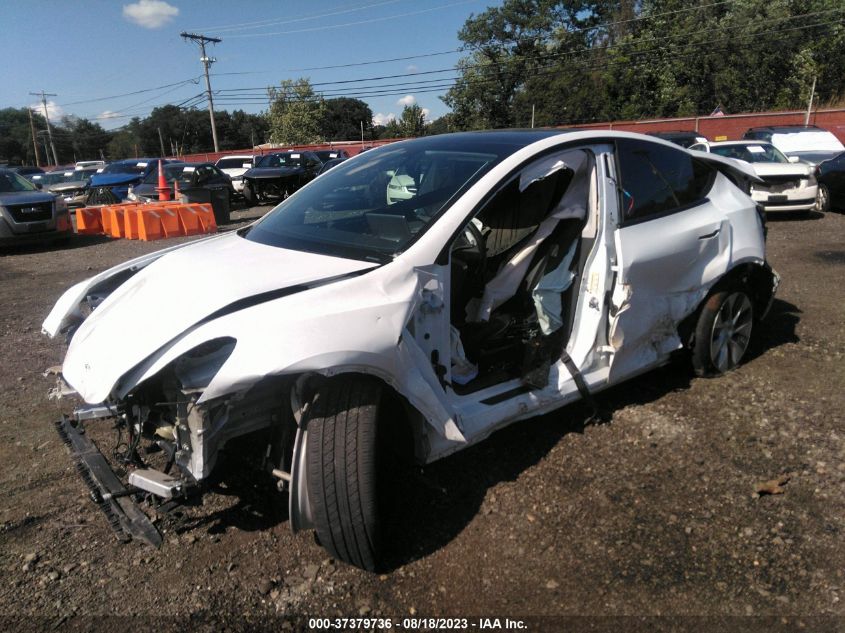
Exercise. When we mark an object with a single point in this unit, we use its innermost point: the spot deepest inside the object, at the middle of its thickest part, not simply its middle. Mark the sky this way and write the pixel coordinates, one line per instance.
(91, 53)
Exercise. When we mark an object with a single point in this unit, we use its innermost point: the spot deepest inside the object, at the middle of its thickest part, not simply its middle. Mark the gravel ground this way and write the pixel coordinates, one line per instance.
(649, 521)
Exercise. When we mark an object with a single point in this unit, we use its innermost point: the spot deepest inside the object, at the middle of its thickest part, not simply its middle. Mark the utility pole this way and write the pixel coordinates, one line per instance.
(810, 103)
(44, 96)
(161, 142)
(34, 142)
(206, 62)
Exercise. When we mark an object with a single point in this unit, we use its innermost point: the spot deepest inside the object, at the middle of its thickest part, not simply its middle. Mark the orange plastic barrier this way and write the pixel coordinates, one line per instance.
(88, 221)
(151, 221)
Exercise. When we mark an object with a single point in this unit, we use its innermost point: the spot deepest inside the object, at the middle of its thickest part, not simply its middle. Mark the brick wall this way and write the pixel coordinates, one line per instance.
(731, 126)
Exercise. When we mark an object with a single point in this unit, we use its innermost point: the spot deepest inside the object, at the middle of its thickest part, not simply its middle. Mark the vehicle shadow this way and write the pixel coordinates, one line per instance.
(439, 501)
(73, 242)
(792, 216)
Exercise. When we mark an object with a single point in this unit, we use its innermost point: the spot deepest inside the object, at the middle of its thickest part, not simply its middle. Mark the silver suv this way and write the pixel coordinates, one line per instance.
(30, 215)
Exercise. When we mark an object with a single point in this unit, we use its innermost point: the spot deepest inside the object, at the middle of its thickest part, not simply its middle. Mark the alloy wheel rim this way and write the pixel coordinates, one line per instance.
(731, 332)
(822, 199)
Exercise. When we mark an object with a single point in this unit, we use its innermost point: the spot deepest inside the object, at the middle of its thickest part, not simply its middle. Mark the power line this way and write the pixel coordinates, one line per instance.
(358, 23)
(264, 23)
(194, 80)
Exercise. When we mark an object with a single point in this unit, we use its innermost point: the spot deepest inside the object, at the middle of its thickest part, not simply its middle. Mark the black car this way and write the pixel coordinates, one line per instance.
(276, 176)
(684, 138)
(332, 162)
(198, 182)
(30, 215)
(831, 177)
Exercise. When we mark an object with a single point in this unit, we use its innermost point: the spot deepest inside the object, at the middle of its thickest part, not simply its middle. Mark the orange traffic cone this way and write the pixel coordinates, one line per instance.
(176, 192)
(163, 189)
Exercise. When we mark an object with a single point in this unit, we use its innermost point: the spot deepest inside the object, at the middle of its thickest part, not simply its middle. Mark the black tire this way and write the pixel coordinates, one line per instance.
(723, 332)
(342, 463)
(823, 199)
(249, 194)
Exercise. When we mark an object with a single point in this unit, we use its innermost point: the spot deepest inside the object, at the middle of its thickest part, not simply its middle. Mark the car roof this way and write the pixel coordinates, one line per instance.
(786, 128)
(747, 141)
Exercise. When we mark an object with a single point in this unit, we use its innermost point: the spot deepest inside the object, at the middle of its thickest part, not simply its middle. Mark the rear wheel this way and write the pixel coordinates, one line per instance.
(342, 464)
(723, 332)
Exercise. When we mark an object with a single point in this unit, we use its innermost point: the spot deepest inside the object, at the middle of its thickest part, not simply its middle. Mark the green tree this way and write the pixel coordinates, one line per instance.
(16, 137)
(296, 113)
(412, 121)
(343, 118)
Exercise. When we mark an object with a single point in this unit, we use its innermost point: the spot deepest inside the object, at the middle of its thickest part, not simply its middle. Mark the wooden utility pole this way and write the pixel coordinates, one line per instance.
(206, 62)
(34, 142)
(810, 102)
(44, 96)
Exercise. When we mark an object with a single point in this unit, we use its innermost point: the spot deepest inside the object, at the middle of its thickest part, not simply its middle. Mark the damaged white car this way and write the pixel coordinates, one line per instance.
(436, 289)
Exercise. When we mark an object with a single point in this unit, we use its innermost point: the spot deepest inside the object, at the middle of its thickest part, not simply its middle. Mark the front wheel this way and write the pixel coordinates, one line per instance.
(823, 199)
(249, 194)
(342, 464)
(722, 333)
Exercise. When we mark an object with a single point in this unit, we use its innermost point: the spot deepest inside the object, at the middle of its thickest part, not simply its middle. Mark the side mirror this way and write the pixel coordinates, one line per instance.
(794, 159)
(38, 185)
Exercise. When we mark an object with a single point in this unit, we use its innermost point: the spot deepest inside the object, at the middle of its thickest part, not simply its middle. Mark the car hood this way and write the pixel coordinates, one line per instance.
(68, 186)
(781, 169)
(26, 197)
(180, 290)
(272, 172)
(100, 180)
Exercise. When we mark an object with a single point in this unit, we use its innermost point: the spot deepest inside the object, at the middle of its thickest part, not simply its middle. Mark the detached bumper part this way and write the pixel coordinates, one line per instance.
(125, 517)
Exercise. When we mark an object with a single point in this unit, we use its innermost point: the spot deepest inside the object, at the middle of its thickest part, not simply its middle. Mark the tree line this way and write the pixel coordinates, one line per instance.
(558, 62)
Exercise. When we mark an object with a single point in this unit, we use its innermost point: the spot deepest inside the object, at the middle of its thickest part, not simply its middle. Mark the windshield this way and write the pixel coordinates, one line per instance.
(12, 183)
(244, 162)
(182, 173)
(373, 206)
(280, 160)
(126, 167)
(751, 153)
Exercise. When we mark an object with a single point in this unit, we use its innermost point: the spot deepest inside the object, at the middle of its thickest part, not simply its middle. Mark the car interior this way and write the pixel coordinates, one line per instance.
(515, 270)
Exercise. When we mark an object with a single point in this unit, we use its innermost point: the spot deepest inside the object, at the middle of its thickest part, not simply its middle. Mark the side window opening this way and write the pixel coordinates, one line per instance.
(658, 180)
(514, 274)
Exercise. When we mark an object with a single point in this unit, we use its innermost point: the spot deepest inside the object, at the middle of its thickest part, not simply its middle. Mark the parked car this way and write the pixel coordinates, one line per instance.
(72, 185)
(528, 269)
(30, 215)
(235, 167)
(192, 178)
(111, 183)
(684, 138)
(276, 176)
(330, 154)
(26, 170)
(831, 177)
(788, 184)
(807, 142)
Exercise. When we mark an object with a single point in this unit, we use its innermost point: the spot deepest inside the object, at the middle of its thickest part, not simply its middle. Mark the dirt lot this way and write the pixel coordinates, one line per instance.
(650, 514)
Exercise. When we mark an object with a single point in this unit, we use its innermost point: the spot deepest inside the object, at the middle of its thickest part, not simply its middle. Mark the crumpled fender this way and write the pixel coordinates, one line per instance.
(360, 327)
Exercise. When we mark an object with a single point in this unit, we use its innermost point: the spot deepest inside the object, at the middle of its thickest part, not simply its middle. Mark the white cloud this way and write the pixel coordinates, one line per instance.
(383, 119)
(411, 69)
(151, 14)
(54, 110)
(107, 114)
(407, 100)
(426, 112)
